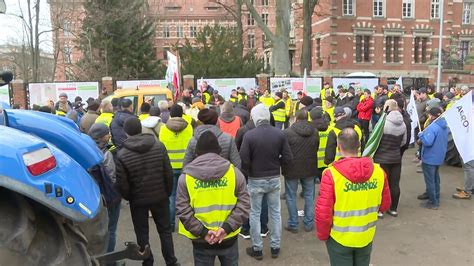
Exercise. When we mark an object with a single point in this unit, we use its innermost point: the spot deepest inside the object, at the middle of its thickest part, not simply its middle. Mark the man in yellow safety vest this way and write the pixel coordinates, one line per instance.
(175, 135)
(352, 191)
(267, 99)
(278, 110)
(332, 152)
(212, 204)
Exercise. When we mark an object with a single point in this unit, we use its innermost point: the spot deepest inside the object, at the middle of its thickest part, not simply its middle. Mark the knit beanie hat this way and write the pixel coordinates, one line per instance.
(208, 116)
(348, 111)
(207, 143)
(196, 99)
(339, 111)
(436, 111)
(450, 95)
(259, 113)
(279, 94)
(98, 130)
(435, 102)
(306, 101)
(132, 126)
(316, 113)
(227, 107)
(176, 111)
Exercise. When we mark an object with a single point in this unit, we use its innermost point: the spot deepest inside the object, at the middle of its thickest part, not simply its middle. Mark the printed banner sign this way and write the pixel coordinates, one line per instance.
(294, 85)
(358, 83)
(411, 110)
(225, 86)
(4, 94)
(133, 84)
(41, 93)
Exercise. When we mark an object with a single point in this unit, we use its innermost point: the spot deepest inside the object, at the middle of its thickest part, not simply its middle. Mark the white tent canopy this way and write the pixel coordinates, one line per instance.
(361, 74)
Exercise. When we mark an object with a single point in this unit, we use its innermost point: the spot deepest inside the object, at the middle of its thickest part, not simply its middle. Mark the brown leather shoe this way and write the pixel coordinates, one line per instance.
(462, 195)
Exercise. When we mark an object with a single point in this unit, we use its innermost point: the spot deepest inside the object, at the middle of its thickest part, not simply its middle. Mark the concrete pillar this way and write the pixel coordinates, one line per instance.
(188, 81)
(263, 81)
(19, 93)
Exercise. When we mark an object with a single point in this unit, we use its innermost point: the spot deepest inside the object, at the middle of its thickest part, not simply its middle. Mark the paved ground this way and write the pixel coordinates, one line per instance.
(417, 237)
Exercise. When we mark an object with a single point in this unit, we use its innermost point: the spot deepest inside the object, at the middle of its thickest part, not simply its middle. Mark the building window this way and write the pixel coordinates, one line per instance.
(388, 49)
(193, 30)
(166, 31)
(67, 54)
(66, 28)
(396, 49)
(250, 20)
(464, 49)
(265, 18)
(348, 7)
(179, 32)
(421, 46)
(264, 2)
(362, 48)
(434, 9)
(251, 37)
(392, 49)
(466, 15)
(407, 9)
(378, 8)
(318, 49)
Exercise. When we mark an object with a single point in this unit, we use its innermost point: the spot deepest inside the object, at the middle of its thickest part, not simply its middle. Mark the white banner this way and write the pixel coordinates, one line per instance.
(172, 72)
(460, 121)
(358, 83)
(225, 86)
(411, 110)
(294, 85)
(41, 93)
(4, 94)
(133, 84)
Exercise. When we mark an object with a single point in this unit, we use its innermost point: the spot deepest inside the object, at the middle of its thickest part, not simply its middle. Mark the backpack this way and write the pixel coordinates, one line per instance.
(107, 188)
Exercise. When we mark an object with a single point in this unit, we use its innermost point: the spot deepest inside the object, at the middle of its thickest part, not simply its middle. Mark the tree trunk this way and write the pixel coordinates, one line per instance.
(281, 42)
(37, 43)
(240, 27)
(306, 52)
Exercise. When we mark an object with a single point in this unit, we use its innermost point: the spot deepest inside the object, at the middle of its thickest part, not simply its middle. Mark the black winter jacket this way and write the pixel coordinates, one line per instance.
(303, 139)
(242, 112)
(116, 127)
(263, 151)
(330, 153)
(144, 172)
(241, 132)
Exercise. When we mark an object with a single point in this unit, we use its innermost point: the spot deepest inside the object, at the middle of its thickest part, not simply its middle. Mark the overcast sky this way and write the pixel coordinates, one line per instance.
(11, 29)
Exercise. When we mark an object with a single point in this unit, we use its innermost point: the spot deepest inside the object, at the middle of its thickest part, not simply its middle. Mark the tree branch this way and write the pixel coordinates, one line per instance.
(259, 20)
(229, 9)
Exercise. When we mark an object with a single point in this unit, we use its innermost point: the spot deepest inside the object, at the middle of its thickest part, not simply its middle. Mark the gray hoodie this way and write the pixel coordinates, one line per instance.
(227, 143)
(208, 167)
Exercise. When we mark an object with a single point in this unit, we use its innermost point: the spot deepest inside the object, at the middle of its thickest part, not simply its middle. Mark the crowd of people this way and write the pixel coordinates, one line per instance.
(210, 167)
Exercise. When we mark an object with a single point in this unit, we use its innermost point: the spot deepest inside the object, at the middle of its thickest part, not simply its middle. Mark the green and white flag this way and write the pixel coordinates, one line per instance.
(374, 140)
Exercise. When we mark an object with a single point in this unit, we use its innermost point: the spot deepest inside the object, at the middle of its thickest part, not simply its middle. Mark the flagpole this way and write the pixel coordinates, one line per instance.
(440, 44)
(178, 93)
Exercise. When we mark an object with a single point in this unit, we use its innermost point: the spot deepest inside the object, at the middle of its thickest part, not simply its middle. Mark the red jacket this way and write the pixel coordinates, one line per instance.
(365, 108)
(357, 170)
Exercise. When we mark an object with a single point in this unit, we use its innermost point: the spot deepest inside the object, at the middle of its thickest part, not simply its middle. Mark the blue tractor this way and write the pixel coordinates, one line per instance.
(51, 211)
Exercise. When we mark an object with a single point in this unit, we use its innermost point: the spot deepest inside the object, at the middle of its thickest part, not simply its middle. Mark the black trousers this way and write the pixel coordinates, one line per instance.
(340, 255)
(227, 256)
(160, 213)
(393, 174)
(364, 124)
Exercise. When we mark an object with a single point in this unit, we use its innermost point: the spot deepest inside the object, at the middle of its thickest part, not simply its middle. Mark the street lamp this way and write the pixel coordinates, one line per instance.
(3, 7)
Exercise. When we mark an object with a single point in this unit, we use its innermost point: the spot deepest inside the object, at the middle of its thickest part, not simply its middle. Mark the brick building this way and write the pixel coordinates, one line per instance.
(388, 38)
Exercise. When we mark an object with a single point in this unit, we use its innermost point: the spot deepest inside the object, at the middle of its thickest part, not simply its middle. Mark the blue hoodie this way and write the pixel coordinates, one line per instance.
(435, 142)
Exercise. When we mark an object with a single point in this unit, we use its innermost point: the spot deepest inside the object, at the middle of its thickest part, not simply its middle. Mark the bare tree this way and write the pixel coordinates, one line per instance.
(306, 51)
(280, 40)
(235, 10)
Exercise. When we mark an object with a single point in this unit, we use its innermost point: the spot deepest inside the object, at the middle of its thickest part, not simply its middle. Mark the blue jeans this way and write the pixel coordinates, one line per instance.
(172, 198)
(114, 213)
(431, 173)
(258, 188)
(291, 187)
(263, 218)
(227, 256)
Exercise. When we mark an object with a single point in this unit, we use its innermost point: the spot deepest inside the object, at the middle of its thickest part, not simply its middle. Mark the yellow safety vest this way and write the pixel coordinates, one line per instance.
(143, 116)
(176, 144)
(267, 101)
(240, 97)
(60, 113)
(279, 115)
(355, 208)
(233, 100)
(330, 112)
(188, 119)
(105, 118)
(212, 202)
(288, 107)
(322, 95)
(338, 131)
(323, 141)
